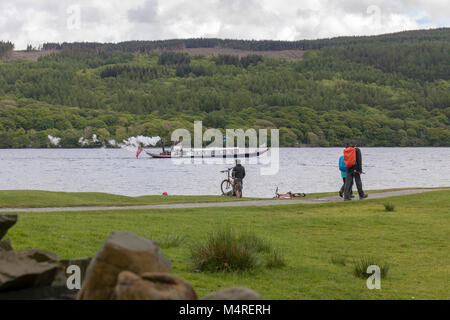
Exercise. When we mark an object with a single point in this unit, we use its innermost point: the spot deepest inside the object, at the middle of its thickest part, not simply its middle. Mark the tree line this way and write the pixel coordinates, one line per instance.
(5, 47)
(439, 34)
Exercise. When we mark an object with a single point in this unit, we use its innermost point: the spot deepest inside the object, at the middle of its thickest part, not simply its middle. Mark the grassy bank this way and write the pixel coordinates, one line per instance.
(48, 199)
(319, 242)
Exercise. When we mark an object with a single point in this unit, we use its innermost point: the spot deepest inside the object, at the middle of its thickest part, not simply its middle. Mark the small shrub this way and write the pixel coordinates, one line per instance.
(361, 265)
(171, 241)
(226, 250)
(389, 207)
(275, 260)
(339, 260)
(223, 251)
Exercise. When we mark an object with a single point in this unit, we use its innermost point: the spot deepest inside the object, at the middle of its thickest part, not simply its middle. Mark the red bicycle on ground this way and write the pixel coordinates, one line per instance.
(288, 195)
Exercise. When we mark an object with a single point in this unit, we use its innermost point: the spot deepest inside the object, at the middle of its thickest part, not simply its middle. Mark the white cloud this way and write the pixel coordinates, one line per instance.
(28, 21)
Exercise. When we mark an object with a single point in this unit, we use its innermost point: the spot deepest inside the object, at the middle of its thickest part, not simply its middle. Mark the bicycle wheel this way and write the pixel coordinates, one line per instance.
(226, 187)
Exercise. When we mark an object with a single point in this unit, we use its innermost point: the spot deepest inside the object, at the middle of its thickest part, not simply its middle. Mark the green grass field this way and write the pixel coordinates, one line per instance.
(319, 243)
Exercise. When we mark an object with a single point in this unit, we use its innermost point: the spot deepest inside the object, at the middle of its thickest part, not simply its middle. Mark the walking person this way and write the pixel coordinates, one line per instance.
(343, 169)
(353, 161)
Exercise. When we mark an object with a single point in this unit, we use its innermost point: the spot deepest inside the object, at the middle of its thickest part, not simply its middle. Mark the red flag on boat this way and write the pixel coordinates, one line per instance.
(139, 152)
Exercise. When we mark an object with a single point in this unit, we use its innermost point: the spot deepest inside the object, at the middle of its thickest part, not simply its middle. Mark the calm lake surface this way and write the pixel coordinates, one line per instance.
(306, 170)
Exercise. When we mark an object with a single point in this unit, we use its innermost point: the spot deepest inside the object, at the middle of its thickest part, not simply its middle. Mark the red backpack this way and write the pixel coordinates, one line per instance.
(350, 157)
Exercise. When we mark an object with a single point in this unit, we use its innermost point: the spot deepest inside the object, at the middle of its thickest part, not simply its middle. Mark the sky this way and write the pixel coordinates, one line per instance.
(38, 21)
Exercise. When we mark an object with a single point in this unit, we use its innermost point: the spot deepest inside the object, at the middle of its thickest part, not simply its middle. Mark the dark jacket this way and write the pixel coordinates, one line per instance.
(238, 172)
(358, 165)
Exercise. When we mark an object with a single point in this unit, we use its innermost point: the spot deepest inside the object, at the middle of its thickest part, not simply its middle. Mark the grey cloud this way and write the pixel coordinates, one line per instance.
(241, 12)
(146, 14)
(91, 15)
(360, 6)
(306, 13)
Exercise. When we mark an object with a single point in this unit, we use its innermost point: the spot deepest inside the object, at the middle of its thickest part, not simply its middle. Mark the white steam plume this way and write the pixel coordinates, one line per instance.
(54, 140)
(83, 142)
(139, 141)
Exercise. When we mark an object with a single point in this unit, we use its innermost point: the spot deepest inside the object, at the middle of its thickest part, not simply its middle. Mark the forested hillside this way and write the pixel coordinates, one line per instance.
(390, 90)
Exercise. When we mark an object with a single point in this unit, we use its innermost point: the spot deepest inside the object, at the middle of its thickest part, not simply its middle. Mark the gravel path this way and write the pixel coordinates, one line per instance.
(250, 203)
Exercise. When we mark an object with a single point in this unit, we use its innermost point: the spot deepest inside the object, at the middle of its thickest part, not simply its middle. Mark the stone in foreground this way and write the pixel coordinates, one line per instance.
(41, 293)
(5, 245)
(153, 286)
(235, 293)
(6, 222)
(122, 251)
(27, 269)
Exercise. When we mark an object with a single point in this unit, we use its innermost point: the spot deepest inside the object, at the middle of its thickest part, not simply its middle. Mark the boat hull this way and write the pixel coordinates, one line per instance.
(209, 156)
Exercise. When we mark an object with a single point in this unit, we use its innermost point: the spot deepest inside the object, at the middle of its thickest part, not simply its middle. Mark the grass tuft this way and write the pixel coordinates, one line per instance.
(255, 243)
(223, 252)
(275, 260)
(227, 250)
(389, 207)
(361, 265)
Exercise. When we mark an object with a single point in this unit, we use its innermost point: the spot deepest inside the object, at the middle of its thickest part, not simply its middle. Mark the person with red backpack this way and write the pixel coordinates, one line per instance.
(353, 161)
(343, 169)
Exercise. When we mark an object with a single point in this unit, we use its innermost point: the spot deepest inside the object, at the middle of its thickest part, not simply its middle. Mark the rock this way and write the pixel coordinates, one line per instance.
(152, 286)
(60, 278)
(235, 293)
(6, 222)
(5, 245)
(122, 251)
(27, 269)
(42, 293)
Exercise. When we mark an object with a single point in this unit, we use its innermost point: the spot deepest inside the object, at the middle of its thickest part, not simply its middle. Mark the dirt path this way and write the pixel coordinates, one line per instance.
(250, 203)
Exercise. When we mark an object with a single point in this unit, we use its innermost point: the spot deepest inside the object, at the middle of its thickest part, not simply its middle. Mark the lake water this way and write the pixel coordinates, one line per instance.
(306, 170)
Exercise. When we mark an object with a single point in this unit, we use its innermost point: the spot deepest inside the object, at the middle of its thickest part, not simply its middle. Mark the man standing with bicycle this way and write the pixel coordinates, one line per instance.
(238, 175)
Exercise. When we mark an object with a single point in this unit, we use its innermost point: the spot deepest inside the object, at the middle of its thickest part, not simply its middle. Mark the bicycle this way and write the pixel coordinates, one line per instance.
(231, 186)
(289, 195)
